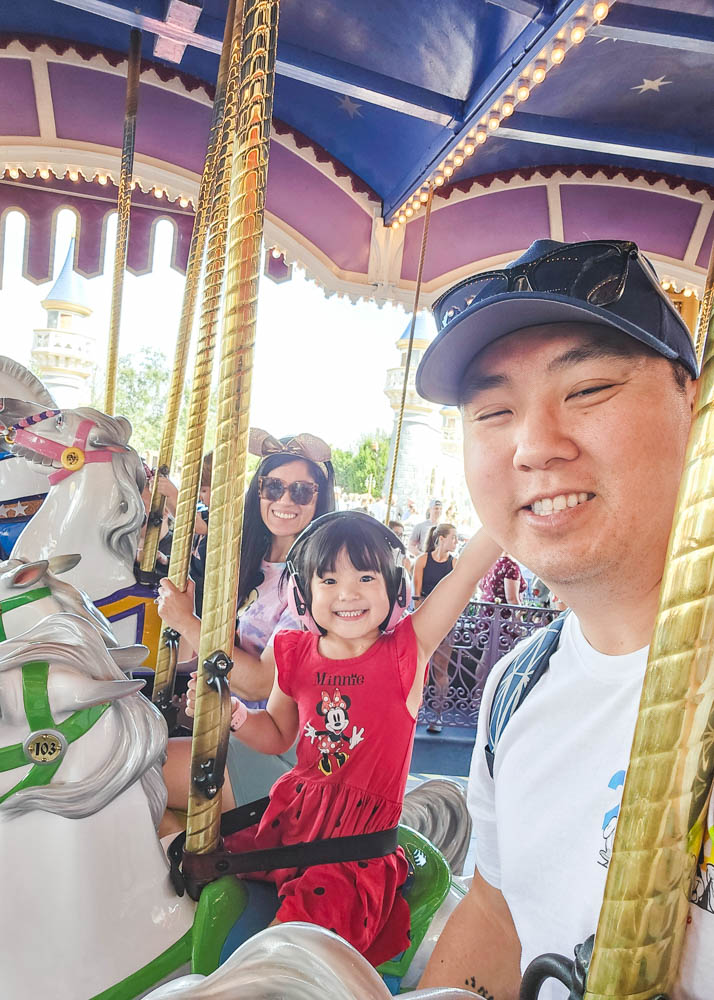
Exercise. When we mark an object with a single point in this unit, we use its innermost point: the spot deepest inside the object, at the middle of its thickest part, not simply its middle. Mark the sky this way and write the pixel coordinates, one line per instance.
(320, 363)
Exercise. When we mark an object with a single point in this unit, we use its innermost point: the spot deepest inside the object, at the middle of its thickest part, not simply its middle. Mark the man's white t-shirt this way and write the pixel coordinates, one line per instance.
(545, 823)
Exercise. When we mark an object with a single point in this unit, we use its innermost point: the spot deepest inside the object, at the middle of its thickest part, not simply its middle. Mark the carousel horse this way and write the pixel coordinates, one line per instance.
(294, 961)
(438, 810)
(93, 507)
(22, 488)
(102, 879)
(31, 591)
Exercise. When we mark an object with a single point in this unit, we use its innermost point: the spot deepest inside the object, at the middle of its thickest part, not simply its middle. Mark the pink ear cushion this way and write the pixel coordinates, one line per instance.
(400, 606)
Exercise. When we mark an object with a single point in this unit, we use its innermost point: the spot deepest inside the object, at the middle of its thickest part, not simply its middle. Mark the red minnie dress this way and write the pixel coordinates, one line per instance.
(353, 755)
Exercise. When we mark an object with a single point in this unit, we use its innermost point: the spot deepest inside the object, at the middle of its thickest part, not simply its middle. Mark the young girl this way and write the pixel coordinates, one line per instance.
(349, 690)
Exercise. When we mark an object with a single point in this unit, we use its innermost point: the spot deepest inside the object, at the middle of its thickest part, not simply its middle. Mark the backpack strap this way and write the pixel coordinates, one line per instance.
(519, 678)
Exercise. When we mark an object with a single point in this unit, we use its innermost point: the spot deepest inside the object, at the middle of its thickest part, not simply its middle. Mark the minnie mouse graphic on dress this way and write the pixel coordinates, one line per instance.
(332, 741)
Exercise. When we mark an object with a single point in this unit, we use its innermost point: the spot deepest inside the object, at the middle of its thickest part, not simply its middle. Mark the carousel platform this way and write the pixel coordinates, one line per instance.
(444, 754)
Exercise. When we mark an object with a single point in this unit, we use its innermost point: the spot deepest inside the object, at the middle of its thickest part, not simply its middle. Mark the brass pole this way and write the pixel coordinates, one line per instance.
(705, 310)
(245, 231)
(188, 309)
(123, 210)
(201, 385)
(405, 386)
(662, 818)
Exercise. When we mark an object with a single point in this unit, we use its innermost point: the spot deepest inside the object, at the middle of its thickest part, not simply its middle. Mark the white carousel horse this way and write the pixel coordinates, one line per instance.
(22, 487)
(437, 810)
(31, 591)
(294, 962)
(87, 898)
(93, 507)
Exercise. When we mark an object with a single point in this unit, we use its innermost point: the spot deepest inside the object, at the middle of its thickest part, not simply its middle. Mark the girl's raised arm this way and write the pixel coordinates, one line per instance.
(437, 613)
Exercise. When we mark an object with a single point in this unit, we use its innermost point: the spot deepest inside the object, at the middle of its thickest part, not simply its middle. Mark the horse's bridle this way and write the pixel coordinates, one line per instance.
(47, 742)
(72, 458)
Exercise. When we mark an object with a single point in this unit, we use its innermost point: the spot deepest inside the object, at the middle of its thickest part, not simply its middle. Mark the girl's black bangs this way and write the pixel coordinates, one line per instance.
(367, 548)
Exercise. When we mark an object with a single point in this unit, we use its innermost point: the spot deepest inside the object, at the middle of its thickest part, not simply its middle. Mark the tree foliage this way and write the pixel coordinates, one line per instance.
(363, 469)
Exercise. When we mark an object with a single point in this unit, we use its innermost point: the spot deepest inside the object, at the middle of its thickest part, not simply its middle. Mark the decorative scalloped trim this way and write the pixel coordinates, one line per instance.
(107, 59)
(588, 172)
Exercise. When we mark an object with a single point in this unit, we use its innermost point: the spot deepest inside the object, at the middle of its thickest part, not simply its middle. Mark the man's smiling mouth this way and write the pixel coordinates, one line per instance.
(552, 505)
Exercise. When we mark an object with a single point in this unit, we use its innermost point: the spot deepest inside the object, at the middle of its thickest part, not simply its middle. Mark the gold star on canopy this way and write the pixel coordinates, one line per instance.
(651, 85)
(351, 107)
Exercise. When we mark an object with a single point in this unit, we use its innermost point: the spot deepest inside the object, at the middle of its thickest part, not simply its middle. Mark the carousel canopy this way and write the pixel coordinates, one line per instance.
(532, 118)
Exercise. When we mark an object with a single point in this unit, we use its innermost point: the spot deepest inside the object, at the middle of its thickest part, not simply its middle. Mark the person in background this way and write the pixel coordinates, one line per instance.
(420, 532)
(398, 528)
(198, 551)
(504, 583)
(431, 567)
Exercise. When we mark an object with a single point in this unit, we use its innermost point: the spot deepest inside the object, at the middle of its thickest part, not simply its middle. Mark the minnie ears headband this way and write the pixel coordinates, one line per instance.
(314, 449)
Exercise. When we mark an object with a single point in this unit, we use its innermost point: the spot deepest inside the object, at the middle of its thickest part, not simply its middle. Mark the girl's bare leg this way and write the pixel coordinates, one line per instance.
(177, 775)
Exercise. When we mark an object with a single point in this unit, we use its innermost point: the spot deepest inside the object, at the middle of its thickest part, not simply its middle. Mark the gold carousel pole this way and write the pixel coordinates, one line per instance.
(662, 818)
(165, 670)
(245, 230)
(193, 274)
(123, 210)
(405, 386)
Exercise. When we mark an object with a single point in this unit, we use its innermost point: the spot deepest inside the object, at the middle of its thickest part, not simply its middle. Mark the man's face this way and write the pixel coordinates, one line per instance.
(573, 461)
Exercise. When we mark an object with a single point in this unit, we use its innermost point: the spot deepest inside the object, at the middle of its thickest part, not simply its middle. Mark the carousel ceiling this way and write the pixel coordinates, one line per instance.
(530, 118)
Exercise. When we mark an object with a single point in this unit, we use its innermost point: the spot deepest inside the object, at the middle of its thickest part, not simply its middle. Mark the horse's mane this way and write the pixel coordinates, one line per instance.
(121, 534)
(36, 391)
(139, 747)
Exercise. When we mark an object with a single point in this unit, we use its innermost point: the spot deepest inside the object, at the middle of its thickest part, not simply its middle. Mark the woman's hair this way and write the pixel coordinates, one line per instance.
(437, 532)
(368, 546)
(256, 537)
(206, 469)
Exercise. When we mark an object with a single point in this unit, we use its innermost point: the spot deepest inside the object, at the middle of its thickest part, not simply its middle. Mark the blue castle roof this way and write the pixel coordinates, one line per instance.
(69, 291)
(424, 328)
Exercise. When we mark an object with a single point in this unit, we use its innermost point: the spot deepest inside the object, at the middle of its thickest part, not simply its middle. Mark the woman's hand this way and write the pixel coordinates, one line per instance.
(176, 606)
(168, 490)
(191, 695)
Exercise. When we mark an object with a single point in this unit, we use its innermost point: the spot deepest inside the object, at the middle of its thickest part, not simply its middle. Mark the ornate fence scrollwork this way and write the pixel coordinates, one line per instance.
(481, 636)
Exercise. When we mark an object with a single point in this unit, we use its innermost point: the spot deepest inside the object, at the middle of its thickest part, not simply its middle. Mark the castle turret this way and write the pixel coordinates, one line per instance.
(420, 445)
(63, 356)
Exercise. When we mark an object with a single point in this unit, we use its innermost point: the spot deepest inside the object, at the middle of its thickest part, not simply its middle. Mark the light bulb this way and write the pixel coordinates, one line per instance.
(458, 160)
(524, 91)
(402, 217)
(44, 173)
(395, 224)
(424, 197)
(507, 107)
(666, 285)
(493, 121)
(438, 180)
(102, 178)
(480, 136)
(600, 11)
(578, 32)
(558, 54)
(14, 173)
(469, 149)
(183, 201)
(409, 212)
(74, 175)
(687, 292)
(539, 71)
(448, 170)
(158, 192)
(275, 253)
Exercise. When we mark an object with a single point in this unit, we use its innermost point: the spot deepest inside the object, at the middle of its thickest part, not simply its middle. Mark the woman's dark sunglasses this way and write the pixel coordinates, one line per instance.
(594, 272)
(272, 488)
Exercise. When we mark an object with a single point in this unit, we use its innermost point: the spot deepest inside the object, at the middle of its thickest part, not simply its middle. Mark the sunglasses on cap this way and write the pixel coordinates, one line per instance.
(272, 488)
(594, 272)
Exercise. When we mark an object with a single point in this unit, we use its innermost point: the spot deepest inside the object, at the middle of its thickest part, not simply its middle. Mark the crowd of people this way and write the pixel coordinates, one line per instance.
(575, 378)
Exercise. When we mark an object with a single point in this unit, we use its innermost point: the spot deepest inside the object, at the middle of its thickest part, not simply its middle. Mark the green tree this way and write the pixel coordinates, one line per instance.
(363, 469)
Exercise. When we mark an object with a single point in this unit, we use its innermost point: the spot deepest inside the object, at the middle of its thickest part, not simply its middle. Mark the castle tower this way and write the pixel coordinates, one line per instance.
(420, 445)
(64, 357)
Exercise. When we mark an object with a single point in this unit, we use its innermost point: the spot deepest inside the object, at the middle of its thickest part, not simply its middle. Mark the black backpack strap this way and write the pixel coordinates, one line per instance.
(519, 678)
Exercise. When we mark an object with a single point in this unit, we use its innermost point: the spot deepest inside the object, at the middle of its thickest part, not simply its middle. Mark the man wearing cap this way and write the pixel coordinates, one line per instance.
(420, 532)
(575, 379)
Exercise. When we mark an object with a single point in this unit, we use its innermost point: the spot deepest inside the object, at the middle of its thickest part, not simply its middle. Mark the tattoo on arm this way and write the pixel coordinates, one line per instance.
(481, 991)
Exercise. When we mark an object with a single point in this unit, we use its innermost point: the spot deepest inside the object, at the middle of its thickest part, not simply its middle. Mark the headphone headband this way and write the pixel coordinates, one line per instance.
(389, 536)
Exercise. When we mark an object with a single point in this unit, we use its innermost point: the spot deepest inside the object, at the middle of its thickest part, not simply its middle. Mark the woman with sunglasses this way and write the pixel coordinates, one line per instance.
(292, 485)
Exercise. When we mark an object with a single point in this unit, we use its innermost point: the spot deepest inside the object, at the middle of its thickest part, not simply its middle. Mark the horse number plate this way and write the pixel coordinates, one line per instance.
(45, 747)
